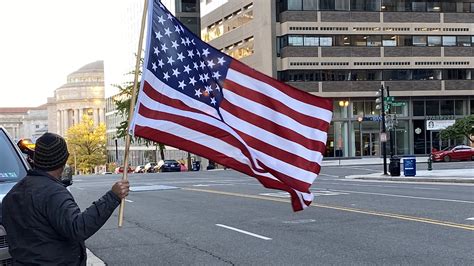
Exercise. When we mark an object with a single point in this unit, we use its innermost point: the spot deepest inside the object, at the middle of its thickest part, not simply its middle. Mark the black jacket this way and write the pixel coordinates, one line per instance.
(44, 224)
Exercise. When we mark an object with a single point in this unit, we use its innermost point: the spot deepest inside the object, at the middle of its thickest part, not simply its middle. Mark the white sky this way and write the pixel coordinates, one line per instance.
(44, 41)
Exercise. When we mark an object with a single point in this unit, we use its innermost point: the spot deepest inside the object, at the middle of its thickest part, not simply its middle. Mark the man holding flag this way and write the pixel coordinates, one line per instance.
(195, 98)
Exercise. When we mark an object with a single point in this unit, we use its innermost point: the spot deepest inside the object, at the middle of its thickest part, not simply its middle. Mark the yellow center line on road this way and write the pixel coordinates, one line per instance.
(375, 213)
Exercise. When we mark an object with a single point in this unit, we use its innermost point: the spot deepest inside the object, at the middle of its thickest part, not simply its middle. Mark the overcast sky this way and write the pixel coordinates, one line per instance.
(44, 41)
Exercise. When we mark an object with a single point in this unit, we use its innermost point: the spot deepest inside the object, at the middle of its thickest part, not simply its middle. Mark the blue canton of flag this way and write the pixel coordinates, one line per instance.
(182, 61)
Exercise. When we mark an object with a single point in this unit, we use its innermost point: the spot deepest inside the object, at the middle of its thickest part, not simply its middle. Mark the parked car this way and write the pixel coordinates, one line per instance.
(150, 167)
(171, 166)
(13, 167)
(119, 170)
(139, 169)
(460, 152)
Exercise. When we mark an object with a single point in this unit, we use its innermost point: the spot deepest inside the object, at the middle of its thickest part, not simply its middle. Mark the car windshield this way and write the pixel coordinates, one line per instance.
(171, 161)
(448, 148)
(11, 165)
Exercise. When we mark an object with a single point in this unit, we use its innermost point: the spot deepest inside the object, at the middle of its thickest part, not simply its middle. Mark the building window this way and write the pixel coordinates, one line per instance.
(472, 107)
(426, 74)
(374, 40)
(456, 74)
(447, 107)
(418, 6)
(295, 40)
(419, 40)
(464, 40)
(433, 6)
(396, 74)
(310, 4)
(434, 40)
(311, 41)
(459, 107)
(359, 40)
(342, 40)
(432, 107)
(418, 108)
(449, 40)
(389, 40)
(295, 5)
(326, 4)
(325, 41)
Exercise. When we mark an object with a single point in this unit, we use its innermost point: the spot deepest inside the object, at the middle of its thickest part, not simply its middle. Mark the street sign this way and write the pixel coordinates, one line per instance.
(398, 103)
(389, 99)
(383, 137)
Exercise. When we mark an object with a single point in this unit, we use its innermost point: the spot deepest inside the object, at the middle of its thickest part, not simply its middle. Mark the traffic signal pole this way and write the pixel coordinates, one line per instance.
(384, 131)
(391, 129)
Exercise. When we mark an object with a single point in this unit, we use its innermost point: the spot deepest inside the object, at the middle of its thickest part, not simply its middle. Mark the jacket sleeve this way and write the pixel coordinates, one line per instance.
(66, 218)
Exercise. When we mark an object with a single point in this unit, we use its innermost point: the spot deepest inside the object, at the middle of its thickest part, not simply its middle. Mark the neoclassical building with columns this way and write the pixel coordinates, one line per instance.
(83, 93)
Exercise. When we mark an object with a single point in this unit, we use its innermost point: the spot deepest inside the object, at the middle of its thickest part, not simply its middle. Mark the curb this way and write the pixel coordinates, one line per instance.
(416, 179)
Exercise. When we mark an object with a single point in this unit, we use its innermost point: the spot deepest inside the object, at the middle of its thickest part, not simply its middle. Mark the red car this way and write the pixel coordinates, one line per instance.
(461, 152)
(119, 170)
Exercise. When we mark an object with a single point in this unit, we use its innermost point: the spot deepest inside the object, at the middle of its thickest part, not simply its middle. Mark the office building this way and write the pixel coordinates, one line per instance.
(422, 51)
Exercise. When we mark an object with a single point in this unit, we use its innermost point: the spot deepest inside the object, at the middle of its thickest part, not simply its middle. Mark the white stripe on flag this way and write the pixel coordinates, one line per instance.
(278, 95)
(272, 139)
(276, 117)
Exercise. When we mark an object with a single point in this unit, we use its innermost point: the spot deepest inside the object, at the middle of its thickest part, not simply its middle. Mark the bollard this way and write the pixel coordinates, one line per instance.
(430, 163)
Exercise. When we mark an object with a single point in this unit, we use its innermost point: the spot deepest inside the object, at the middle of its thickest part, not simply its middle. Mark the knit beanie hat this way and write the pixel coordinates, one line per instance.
(50, 152)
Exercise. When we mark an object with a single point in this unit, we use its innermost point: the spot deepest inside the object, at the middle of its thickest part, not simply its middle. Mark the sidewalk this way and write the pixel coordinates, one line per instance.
(436, 175)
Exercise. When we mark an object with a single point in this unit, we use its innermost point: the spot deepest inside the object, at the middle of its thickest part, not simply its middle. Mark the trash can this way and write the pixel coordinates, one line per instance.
(196, 166)
(394, 166)
(409, 166)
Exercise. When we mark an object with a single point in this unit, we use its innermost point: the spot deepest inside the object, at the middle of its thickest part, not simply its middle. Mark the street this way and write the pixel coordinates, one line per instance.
(223, 217)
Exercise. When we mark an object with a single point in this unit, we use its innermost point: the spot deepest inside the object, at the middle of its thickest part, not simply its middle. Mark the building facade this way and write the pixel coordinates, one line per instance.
(83, 94)
(422, 52)
(24, 122)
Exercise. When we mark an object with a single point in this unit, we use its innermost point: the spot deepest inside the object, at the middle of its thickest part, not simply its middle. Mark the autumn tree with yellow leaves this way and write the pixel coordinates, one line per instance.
(87, 145)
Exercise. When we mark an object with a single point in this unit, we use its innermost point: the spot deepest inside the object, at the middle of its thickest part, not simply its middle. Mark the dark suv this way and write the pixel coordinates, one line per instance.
(13, 167)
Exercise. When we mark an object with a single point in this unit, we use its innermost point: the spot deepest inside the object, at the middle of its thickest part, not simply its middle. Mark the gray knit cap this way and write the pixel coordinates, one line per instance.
(50, 152)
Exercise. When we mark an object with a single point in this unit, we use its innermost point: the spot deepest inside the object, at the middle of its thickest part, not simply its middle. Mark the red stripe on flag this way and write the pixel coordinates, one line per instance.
(280, 154)
(294, 183)
(273, 127)
(199, 126)
(277, 106)
(196, 148)
(287, 89)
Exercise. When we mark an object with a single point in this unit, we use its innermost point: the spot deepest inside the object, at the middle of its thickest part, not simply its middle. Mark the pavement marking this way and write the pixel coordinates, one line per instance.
(315, 193)
(93, 260)
(347, 209)
(244, 232)
(470, 219)
(328, 175)
(127, 200)
(403, 196)
(80, 188)
(302, 221)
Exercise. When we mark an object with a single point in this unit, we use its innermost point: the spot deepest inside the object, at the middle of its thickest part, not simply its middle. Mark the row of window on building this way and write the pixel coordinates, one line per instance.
(375, 40)
(460, 6)
(369, 74)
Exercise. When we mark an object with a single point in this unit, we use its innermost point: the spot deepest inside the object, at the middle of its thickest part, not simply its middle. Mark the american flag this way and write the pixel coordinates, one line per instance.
(196, 98)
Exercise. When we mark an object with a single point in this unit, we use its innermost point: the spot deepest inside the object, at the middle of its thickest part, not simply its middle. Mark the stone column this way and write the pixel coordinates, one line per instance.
(95, 115)
(101, 115)
(81, 113)
(65, 122)
(58, 122)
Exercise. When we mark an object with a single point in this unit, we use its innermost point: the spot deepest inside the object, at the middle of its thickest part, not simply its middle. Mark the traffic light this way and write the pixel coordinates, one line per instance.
(380, 99)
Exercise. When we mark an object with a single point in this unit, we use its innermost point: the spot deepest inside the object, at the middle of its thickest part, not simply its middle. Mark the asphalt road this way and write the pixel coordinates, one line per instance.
(223, 217)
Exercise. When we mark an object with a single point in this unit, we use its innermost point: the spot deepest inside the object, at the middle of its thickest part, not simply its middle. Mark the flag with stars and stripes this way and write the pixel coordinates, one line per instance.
(196, 98)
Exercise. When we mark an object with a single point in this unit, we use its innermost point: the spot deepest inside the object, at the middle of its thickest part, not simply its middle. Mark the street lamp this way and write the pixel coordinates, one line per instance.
(343, 103)
(116, 151)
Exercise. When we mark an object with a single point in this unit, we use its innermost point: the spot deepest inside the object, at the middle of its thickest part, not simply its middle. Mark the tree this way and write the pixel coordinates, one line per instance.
(122, 104)
(86, 144)
(463, 127)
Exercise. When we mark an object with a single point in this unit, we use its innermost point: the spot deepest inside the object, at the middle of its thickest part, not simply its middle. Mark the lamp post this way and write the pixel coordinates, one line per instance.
(116, 151)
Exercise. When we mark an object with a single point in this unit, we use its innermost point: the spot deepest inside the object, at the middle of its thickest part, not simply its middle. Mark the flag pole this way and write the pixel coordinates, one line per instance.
(132, 107)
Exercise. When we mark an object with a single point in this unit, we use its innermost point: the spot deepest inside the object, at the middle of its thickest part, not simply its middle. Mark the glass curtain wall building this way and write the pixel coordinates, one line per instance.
(422, 51)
